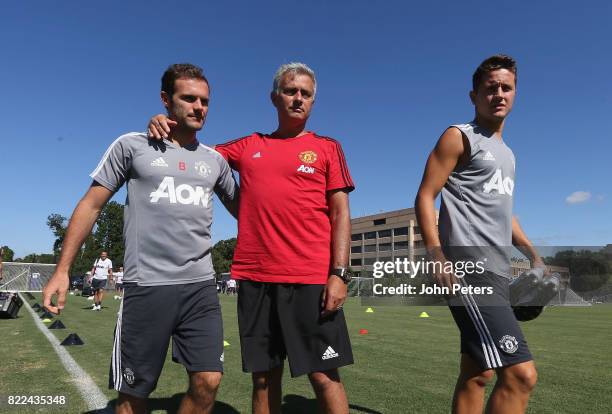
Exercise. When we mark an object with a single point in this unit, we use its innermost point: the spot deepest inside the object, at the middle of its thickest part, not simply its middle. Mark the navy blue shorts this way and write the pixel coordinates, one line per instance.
(149, 316)
(490, 333)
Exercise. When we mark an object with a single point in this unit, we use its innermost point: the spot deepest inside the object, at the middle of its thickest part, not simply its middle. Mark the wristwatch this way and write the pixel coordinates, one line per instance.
(342, 273)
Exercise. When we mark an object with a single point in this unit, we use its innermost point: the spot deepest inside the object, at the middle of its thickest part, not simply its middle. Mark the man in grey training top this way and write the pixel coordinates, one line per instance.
(169, 287)
(474, 169)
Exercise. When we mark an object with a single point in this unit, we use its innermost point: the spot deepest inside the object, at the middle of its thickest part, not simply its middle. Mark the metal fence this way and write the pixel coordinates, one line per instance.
(25, 277)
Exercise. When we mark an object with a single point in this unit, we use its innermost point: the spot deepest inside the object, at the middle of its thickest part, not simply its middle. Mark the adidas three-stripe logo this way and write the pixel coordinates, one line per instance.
(159, 162)
(329, 353)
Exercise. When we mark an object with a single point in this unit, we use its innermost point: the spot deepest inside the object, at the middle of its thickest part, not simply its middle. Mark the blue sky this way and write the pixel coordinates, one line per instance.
(391, 76)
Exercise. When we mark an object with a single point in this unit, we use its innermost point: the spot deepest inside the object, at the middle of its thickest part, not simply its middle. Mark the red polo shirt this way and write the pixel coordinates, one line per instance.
(284, 232)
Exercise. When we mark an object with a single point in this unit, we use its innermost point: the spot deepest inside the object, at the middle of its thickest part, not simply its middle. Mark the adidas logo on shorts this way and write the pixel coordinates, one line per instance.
(159, 162)
(329, 353)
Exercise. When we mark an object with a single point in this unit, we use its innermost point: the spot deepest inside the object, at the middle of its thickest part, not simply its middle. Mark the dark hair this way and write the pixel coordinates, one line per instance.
(180, 71)
(490, 64)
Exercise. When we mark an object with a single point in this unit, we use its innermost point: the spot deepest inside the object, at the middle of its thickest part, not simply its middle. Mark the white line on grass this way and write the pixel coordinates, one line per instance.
(90, 392)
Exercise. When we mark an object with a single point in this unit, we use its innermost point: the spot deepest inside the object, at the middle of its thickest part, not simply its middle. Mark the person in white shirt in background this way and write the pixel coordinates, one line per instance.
(102, 272)
(119, 283)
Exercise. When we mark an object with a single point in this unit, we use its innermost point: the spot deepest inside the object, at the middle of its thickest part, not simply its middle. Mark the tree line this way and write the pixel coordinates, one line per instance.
(589, 270)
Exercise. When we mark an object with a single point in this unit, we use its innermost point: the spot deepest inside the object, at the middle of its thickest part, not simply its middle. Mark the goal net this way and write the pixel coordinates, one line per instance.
(567, 297)
(361, 286)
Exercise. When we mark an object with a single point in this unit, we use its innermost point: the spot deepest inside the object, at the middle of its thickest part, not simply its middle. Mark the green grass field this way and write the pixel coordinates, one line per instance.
(405, 364)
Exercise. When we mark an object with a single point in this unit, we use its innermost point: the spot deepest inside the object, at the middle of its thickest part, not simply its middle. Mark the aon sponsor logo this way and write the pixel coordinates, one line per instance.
(183, 194)
(499, 183)
(305, 169)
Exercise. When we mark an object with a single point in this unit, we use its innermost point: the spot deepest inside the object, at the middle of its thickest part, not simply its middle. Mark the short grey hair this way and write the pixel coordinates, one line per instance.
(296, 68)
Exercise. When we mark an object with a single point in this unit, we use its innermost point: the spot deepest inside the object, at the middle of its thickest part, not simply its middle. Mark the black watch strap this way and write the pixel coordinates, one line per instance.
(342, 273)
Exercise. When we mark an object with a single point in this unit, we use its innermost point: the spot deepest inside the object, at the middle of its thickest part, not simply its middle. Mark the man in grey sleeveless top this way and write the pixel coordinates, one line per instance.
(473, 168)
(169, 287)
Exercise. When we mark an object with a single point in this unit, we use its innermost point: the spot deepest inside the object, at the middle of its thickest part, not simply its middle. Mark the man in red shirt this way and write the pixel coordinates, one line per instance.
(293, 246)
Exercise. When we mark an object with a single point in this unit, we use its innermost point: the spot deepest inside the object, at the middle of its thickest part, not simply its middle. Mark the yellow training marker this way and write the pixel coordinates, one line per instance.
(369, 310)
(225, 343)
(423, 315)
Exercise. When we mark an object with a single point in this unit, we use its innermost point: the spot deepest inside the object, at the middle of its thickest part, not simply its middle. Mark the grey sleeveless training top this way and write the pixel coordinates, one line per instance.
(476, 208)
(168, 213)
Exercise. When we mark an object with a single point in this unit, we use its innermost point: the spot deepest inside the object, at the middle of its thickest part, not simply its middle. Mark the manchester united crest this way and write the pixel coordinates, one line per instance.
(128, 374)
(308, 157)
(202, 168)
(508, 344)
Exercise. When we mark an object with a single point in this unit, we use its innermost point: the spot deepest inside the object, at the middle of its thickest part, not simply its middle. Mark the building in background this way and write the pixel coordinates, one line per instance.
(385, 236)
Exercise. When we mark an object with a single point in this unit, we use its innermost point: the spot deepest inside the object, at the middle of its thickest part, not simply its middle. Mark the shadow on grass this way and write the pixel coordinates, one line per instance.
(292, 404)
(169, 405)
(296, 404)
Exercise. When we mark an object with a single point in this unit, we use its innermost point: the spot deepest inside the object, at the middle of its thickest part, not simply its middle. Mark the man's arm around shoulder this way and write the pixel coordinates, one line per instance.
(82, 221)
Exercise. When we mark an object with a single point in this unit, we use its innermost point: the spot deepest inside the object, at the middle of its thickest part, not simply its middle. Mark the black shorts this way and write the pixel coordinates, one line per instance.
(98, 284)
(490, 333)
(149, 316)
(283, 320)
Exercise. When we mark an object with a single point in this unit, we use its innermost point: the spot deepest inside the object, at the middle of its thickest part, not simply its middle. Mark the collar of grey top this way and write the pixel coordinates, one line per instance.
(485, 132)
(163, 145)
